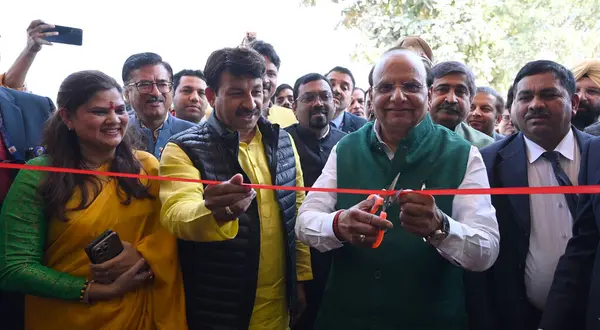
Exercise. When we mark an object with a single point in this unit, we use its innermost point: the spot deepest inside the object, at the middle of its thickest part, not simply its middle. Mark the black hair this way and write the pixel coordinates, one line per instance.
(239, 62)
(267, 50)
(137, 61)
(282, 87)
(566, 78)
(186, 73)
(445, 68)
(499, 104)
(343, 70)
(510, 96)
(305, 79)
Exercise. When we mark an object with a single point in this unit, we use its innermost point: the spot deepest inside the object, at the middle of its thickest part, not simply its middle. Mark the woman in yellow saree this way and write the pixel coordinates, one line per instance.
(48, 219)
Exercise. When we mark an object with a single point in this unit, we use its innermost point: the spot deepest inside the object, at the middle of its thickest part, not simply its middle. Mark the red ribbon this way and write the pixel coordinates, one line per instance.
(591, 189)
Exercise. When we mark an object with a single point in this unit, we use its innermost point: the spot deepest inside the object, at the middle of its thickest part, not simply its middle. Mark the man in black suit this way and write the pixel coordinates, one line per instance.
(534, 228)
(343, 83)
(574, 300)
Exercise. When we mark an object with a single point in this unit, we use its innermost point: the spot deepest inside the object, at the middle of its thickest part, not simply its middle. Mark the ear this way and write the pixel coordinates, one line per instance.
(210, 96)
(64, 115)
(574, 103)
(126, 95)
(429, 93)
(498, 119)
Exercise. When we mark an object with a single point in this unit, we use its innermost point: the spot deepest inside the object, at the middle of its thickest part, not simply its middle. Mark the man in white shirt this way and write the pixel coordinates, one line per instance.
(414, 280)
(534, 228)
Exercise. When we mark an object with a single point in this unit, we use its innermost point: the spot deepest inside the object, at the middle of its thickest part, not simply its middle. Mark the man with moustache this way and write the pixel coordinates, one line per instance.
(190, 101)
(241, 264)
(274, 113)
(587, 74)
(284, 96)
(343, 83)
(314, 139)
(414, 280)
(534, 228)
(357, 106)
(452, 92)
(486, 111)
(149, 90)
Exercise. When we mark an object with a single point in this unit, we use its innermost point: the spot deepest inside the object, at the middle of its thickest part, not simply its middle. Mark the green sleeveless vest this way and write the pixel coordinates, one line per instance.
(405, 283)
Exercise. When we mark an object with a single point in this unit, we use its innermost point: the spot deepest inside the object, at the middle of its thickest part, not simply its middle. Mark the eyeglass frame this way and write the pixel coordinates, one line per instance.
(318, 97)
(152, 84)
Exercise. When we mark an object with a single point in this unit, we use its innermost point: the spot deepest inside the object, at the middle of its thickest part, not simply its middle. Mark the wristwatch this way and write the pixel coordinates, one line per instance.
(441, 233)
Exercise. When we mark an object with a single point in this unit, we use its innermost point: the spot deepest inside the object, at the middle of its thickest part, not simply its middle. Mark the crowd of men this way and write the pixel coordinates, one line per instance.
(269, 259)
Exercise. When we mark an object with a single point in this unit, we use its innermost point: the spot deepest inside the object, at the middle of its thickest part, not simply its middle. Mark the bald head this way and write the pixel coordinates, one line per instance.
(400, 59)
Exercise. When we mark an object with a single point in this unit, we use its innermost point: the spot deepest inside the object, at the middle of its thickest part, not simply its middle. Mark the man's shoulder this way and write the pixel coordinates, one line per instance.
(180, 124)
(336, 133)
(593, 129)
(356, 119)
(24, 99)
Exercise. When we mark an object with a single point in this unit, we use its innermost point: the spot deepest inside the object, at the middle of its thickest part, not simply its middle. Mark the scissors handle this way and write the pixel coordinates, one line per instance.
(378, 203)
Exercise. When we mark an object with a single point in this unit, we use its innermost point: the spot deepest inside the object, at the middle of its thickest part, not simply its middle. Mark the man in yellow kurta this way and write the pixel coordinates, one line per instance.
(241, 263)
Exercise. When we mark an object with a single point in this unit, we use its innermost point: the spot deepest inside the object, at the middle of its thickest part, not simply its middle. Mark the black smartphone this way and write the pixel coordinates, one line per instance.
(104, 247)
(66, 35)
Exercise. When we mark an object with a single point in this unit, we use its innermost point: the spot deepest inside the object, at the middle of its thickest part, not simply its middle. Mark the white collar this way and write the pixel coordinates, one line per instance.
(566, 147)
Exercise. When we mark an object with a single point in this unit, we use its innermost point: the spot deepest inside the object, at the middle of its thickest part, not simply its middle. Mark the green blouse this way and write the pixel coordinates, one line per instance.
(23, 233)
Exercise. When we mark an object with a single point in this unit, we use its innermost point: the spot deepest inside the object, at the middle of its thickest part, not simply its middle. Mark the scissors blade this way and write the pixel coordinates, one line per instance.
(391, 198)
(393, 184)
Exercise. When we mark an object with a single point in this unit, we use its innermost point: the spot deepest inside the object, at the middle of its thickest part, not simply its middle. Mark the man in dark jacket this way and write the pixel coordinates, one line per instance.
(534, 228)
(314, 139)
(238, 251)
(22, 118)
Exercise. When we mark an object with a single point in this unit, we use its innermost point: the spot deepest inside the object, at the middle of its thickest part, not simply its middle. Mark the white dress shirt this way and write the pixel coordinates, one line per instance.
(473, 239)
(551, 220)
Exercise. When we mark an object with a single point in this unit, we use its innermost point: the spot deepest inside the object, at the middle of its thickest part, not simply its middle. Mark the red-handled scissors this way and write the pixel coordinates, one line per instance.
(384, 203)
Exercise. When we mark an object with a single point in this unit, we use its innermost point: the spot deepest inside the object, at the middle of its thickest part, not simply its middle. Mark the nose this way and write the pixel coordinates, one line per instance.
(536, 103)
(195, 97)
(249, 102)
(476, 112)
(397, 95)
(451, 97)
(155, 91)
(112, 117)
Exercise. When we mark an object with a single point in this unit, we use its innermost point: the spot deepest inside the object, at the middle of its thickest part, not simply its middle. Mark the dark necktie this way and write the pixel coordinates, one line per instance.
(562, 178)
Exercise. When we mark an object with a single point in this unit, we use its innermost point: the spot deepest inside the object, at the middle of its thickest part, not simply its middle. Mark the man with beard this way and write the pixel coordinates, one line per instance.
(534, 228)
(149, 90)
(452, 92)
(357, 106)
(190, 96)
(343, 83)
(284, 96)
(274, 113)
(486, 111)
(314, 140)
(587, 74)
(414, 279)
(241, 265)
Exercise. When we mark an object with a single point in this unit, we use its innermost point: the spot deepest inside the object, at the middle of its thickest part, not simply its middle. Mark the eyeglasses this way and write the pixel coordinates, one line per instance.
(312, 97)
(146, 87)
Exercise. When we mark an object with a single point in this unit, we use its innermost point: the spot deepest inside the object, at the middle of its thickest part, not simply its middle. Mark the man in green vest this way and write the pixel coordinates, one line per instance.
(452, 92)
(414, 280)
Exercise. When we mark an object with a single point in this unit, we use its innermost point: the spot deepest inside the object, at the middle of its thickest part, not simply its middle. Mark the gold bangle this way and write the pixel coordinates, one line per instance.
(84, 289)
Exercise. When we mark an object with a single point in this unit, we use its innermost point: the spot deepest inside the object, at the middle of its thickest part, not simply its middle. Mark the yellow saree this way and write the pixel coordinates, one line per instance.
(158, 305)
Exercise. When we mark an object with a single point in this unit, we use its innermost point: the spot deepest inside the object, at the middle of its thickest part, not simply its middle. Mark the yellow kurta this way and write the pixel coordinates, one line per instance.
(185, 214)
(158, 305)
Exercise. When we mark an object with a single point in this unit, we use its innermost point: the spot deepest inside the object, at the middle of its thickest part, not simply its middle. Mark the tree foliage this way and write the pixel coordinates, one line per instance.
(494, 37)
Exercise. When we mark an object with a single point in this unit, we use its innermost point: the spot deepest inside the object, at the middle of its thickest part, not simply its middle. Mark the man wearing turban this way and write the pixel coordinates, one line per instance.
(587, 75)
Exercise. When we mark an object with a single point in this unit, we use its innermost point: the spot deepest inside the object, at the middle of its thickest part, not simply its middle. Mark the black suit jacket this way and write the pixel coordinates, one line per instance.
(351, 122)
(506, 164)
(574, 300)
(23, 115)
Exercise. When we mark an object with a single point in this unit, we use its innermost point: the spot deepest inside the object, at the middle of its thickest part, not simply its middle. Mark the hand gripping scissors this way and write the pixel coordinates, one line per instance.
(384, 203)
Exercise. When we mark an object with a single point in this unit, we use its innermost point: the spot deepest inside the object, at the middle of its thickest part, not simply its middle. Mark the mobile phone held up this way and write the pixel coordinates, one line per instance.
(66, 35)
